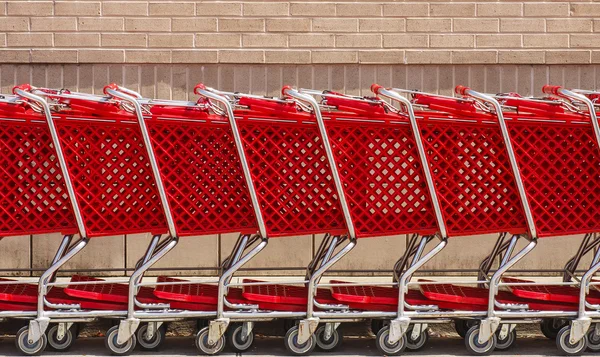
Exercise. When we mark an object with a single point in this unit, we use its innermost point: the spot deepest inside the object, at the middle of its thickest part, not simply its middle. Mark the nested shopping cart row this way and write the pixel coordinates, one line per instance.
(310, 162)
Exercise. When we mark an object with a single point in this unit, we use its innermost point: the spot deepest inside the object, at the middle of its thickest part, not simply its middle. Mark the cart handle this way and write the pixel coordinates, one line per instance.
(435, 202)
(209, 93)
(115, 91)
(568, 94)
(24, 91)
(113, 87)
(466, 91)
(288, 91)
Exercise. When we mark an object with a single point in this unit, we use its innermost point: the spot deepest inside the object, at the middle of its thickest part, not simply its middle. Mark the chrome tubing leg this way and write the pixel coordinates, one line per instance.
(128, 326)
(217, 328)
(490, 324)
(309, 325)
(581, 325)
(38, 326)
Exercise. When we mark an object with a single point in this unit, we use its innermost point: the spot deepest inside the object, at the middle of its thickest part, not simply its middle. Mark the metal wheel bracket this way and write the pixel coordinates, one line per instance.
(417, 330)
(398, 328)
(579, 329)
(597, 328)
(329, 328)
(127, 329)
(307, 328)
(247, 328)
(487, 329)
(37, 328)
(62, 329)
(151, 329)
(505, 329)
(216, 329)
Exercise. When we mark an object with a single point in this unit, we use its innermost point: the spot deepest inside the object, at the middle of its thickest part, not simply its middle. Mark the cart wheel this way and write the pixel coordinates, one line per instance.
(292, 345)
(63, 344)
(200, 324)
(550, 327)
(476, 348)
(155, 342)
(419, 342)
(201, 341)
(507, 342)
(116, 349)
(327, 345)
(568, 348)
(26, 348)
(236, 339)
(593, 340)
(376, 325)
(287, 325)
(382, 341)
(462, 326)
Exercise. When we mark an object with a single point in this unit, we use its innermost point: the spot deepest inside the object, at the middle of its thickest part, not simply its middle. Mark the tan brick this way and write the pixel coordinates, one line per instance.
(264, 40)
(404, 40)
(539, 9)
(476, 25)
(452, 41)
(569, 25)
(3, 9)
(241, 25)
(194, 56)
(334, 25)
(428, 25)
(76, 40)
(76, 8)
(101, 56)
(241, 56)
(3, 40)
(147, 24)
(567, 57)
(14, 56)
(311, 9)
(147, 56)
(381, 25)
(266, 9)
(103, 24)
(500, 9)
(358, 41)
(596, 25)
(288, 25)
(595, 56)
(10, 24)
(218, 9)
(29, 40)
(194, 25)
(521, 57)
(585, 10)
(585, 41)
(124, 8)
(53, 56)
(124, 40)
(30, 8)
(288, 57)
(522, 25)
(53, 24)
(334, 57)
(452, 10)
(312, 40)
(171, 40)
(406, 9)
(546, 41)
(358, 10)
(386, 56)
(498, 41)
(467, 57)
(428, 57)
(218, 40)
(171, 8)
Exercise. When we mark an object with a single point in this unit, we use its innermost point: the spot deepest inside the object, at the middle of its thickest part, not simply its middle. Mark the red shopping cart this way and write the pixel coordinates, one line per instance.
(541, 143)
(110, 184)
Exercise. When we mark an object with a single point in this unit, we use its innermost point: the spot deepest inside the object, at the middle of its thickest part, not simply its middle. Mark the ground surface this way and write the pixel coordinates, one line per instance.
(182, 346)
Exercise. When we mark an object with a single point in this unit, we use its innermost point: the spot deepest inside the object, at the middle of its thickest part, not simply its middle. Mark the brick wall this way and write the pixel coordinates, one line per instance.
(295, 32)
